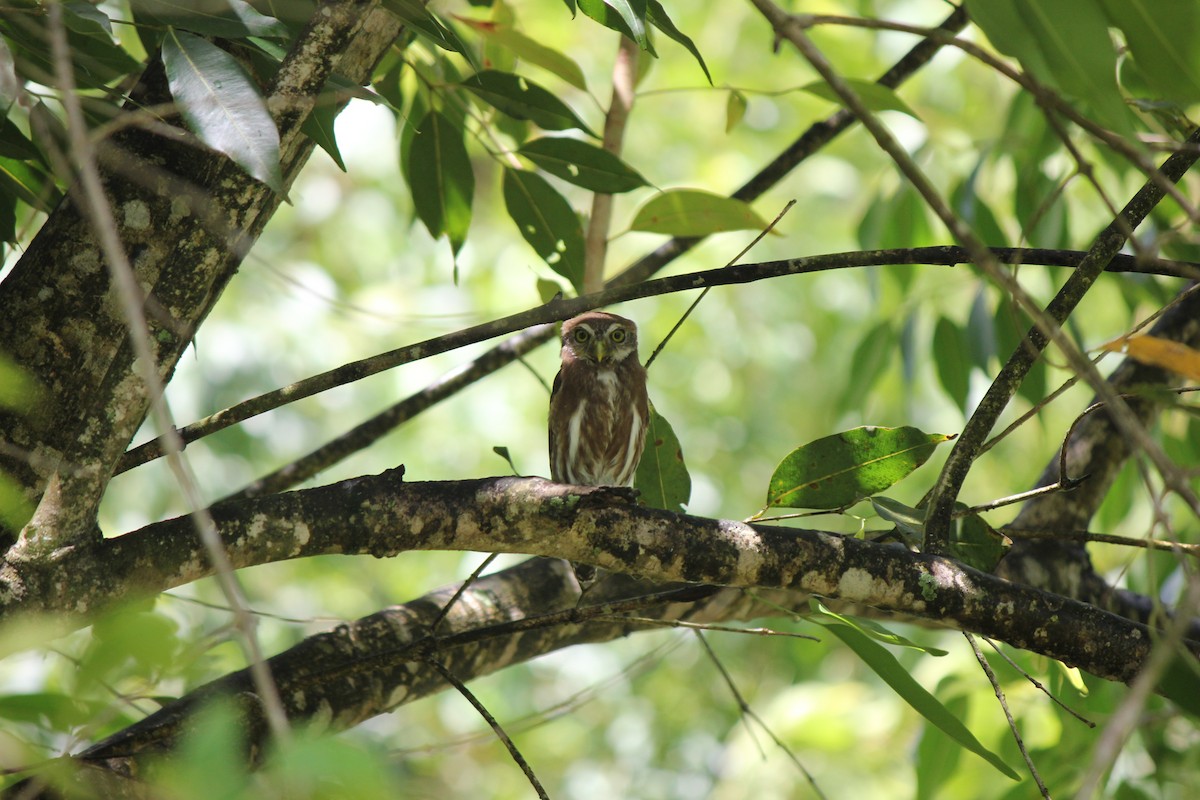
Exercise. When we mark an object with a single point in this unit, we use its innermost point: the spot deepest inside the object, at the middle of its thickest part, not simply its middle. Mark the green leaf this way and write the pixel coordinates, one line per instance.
(318, 126)
(662, 477)
(428, 25)
(937, 758)
(876, 97)
(608, 16)
(530, 50)
(869, 628)
(521, 98)
(690, 212)
(228, 19)
(909, 521)
(441, 178)
(15, 509)
(547, 222)
(28, 183)
(14, 143)
(96, 60)
(222, 105)
(981, 330)
(735, 109)
(951, 360)
(839, 470)
(1161, 35)
(885, 665)
(869, 362)
(977, 544)
(582, 164)
(659, 19)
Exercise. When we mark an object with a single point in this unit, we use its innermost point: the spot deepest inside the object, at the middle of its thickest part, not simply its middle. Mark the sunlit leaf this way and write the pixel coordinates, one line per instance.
(735, 109)
(977, 544)
(662, 477)
(27, 182)
(839, 470)
(582, 164)
(222, 105)
(442, 179)
(547, 222)
(608, 16)
(429, 26)
(874, 96)
(885, 665)
(690, 212)
(1158, 352)
(523, 99)
(659, 19)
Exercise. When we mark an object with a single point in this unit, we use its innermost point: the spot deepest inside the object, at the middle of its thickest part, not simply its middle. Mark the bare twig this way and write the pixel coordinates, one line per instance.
(1012, 723)
(1038, 685)
(496, 727)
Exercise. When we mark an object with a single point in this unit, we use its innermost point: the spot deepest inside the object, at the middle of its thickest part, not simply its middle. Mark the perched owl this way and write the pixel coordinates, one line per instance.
(598, 407)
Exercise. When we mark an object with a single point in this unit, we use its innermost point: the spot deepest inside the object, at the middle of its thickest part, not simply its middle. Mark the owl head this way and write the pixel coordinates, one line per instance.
(599, 338)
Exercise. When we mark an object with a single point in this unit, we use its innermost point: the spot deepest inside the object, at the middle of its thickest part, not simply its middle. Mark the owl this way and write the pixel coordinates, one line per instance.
(599, 406)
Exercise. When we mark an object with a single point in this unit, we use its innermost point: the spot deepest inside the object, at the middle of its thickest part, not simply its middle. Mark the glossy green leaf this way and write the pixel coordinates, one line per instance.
(662, 477)
(582, 164)
(632, 14)
(690, 212)
(885, 665)
(521, 98)
(28, 183)
(14, 143)
(229, 19)
(442, 178)
(1162, 36)
(909, 521)
(839, 470)
(952, 361)
(937, 757)
(821, 615)
(611, 18)
(222, 105)
(547, 222)
(876, 97)
(416, 16)
(531, 51)
(318, 126)
(657, 15)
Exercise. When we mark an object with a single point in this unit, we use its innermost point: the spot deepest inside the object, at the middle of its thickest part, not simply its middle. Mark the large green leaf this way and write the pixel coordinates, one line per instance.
(96, 59)
(29, 183)
(1162, 36)
(885, 665)
(690, 212)
(547, 222)
(430, 26)
(582, 164)
(839, 470)
(867, 627)
(441, 178)
(627, 17)
(222, 105)
(521, 98)
(662, 477)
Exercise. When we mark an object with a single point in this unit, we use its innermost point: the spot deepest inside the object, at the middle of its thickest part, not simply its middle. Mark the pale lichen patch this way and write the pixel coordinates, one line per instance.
(136, 214)
(302, 534)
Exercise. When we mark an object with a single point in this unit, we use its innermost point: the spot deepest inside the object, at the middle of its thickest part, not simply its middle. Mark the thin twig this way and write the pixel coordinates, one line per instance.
(700, 626)
(496, 727)
(1038, 685)
(458, 593)
(1012, 723)
(750, 713)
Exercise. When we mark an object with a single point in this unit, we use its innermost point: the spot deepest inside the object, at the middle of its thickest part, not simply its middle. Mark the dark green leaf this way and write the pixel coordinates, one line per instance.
(659, 19)
(821, 615)
(228, 19)
(662, 477)
(14, 143)
(318, 126)
(582, 164)
(611, 18)
(1161, 35)
(909, 521)
(547, 222)
(977, 544)
(885, 665)
(951, 361)
(937, 757)
(28, 183)
(690, 212)
(441, 178)
(428, 25)
(222, 105)
(15, 509)
(96, 59)
(522, 99)
(839, 470)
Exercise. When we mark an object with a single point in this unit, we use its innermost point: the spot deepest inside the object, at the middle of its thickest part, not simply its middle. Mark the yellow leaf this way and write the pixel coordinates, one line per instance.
(1177, 357)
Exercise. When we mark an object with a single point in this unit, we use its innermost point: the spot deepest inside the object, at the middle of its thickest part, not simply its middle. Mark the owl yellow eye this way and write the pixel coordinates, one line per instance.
(581, 335)
(618, 335)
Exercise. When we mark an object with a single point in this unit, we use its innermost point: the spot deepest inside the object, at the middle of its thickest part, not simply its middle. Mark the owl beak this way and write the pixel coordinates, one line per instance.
(601, 351)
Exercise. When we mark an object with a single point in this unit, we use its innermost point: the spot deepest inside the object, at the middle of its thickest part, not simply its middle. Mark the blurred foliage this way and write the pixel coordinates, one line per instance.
(356, 265)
